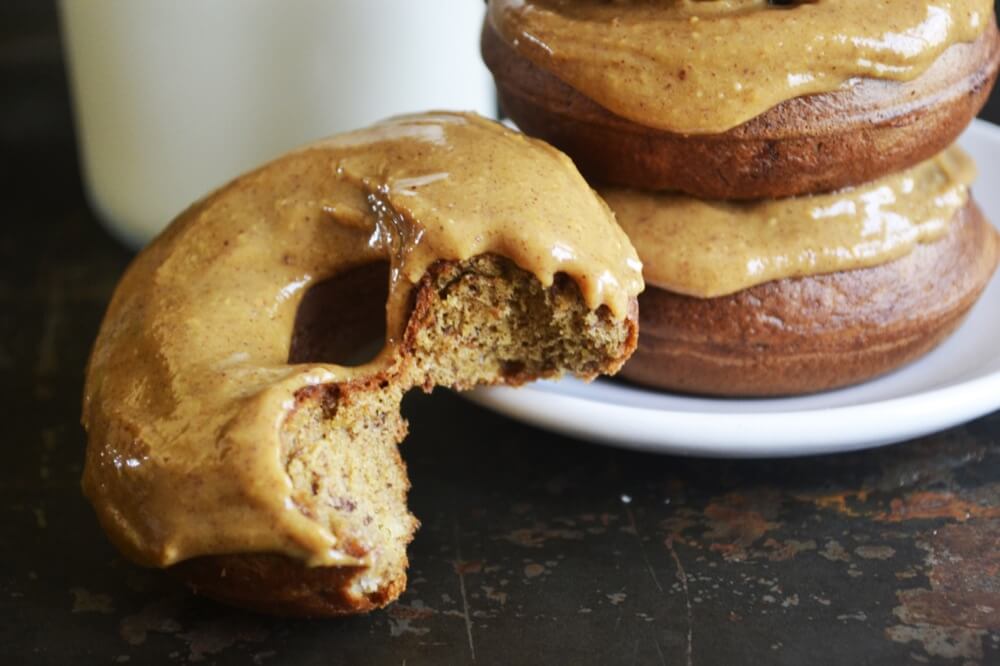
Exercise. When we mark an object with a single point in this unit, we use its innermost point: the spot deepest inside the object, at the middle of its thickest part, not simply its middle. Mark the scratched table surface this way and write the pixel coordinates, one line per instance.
(535, 548)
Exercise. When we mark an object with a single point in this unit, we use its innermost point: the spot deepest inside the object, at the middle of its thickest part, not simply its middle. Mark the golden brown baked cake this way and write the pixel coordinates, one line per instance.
(229, 440)
(742, 99)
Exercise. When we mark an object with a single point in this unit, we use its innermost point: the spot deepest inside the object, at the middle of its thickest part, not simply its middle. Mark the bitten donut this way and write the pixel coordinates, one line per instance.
(809, 293)
(742, 99)
(225, 441)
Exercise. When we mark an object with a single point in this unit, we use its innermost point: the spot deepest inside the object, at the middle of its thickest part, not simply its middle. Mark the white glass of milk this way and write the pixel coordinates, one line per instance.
(175, 97)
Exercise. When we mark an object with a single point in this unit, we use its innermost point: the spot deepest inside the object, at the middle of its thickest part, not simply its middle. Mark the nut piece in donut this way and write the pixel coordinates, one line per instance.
(813, 143)
(228, 441)
(809, 334)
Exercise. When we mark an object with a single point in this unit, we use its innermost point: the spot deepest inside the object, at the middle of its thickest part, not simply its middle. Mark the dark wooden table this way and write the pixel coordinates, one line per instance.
(535, 549)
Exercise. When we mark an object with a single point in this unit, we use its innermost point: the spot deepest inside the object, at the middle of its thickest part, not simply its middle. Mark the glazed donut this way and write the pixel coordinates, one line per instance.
(809, 293)
(807, 334)
(742, 100)
(225, 440)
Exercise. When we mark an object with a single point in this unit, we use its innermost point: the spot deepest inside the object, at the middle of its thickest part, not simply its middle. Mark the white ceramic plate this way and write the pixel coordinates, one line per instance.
(957, 382)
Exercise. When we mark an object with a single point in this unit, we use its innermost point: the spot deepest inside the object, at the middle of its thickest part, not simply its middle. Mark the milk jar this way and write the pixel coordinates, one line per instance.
(175, 97)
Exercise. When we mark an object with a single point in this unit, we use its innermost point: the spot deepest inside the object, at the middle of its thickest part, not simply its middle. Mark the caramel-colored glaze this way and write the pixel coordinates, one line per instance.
(714, 248)
(188, 385)
(704, 67)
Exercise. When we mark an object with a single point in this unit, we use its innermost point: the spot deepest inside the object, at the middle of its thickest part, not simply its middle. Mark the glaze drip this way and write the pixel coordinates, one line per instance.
(715, 248)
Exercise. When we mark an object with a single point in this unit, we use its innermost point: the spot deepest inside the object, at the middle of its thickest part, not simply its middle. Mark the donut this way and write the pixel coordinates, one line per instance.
(790, 296)
(746, 99)
(808, 334)
(231, 437)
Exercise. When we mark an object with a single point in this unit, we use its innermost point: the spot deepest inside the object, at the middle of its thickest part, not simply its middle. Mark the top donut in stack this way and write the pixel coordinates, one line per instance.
(784, 169)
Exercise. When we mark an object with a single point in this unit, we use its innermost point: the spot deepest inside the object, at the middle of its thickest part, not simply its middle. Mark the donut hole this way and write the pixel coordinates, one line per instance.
(341, 320)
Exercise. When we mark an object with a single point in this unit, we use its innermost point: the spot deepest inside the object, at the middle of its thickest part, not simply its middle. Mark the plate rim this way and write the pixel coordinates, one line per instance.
(781, 433)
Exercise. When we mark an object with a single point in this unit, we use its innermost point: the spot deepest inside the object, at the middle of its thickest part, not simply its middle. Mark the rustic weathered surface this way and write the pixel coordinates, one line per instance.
(534, 548)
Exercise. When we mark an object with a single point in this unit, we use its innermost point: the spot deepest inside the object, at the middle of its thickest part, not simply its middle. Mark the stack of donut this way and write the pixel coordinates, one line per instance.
(786, 171)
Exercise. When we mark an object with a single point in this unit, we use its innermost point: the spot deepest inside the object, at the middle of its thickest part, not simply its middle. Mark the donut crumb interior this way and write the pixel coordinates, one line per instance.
(339, 449)
(493, 322)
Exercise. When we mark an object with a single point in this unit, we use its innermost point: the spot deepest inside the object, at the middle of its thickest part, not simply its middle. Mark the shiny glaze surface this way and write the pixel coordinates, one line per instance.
(188, 384)
(706, 66)
(714, 248)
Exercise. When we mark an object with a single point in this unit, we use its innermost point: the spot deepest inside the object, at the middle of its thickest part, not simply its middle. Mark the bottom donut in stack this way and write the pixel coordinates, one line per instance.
(807, 293)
